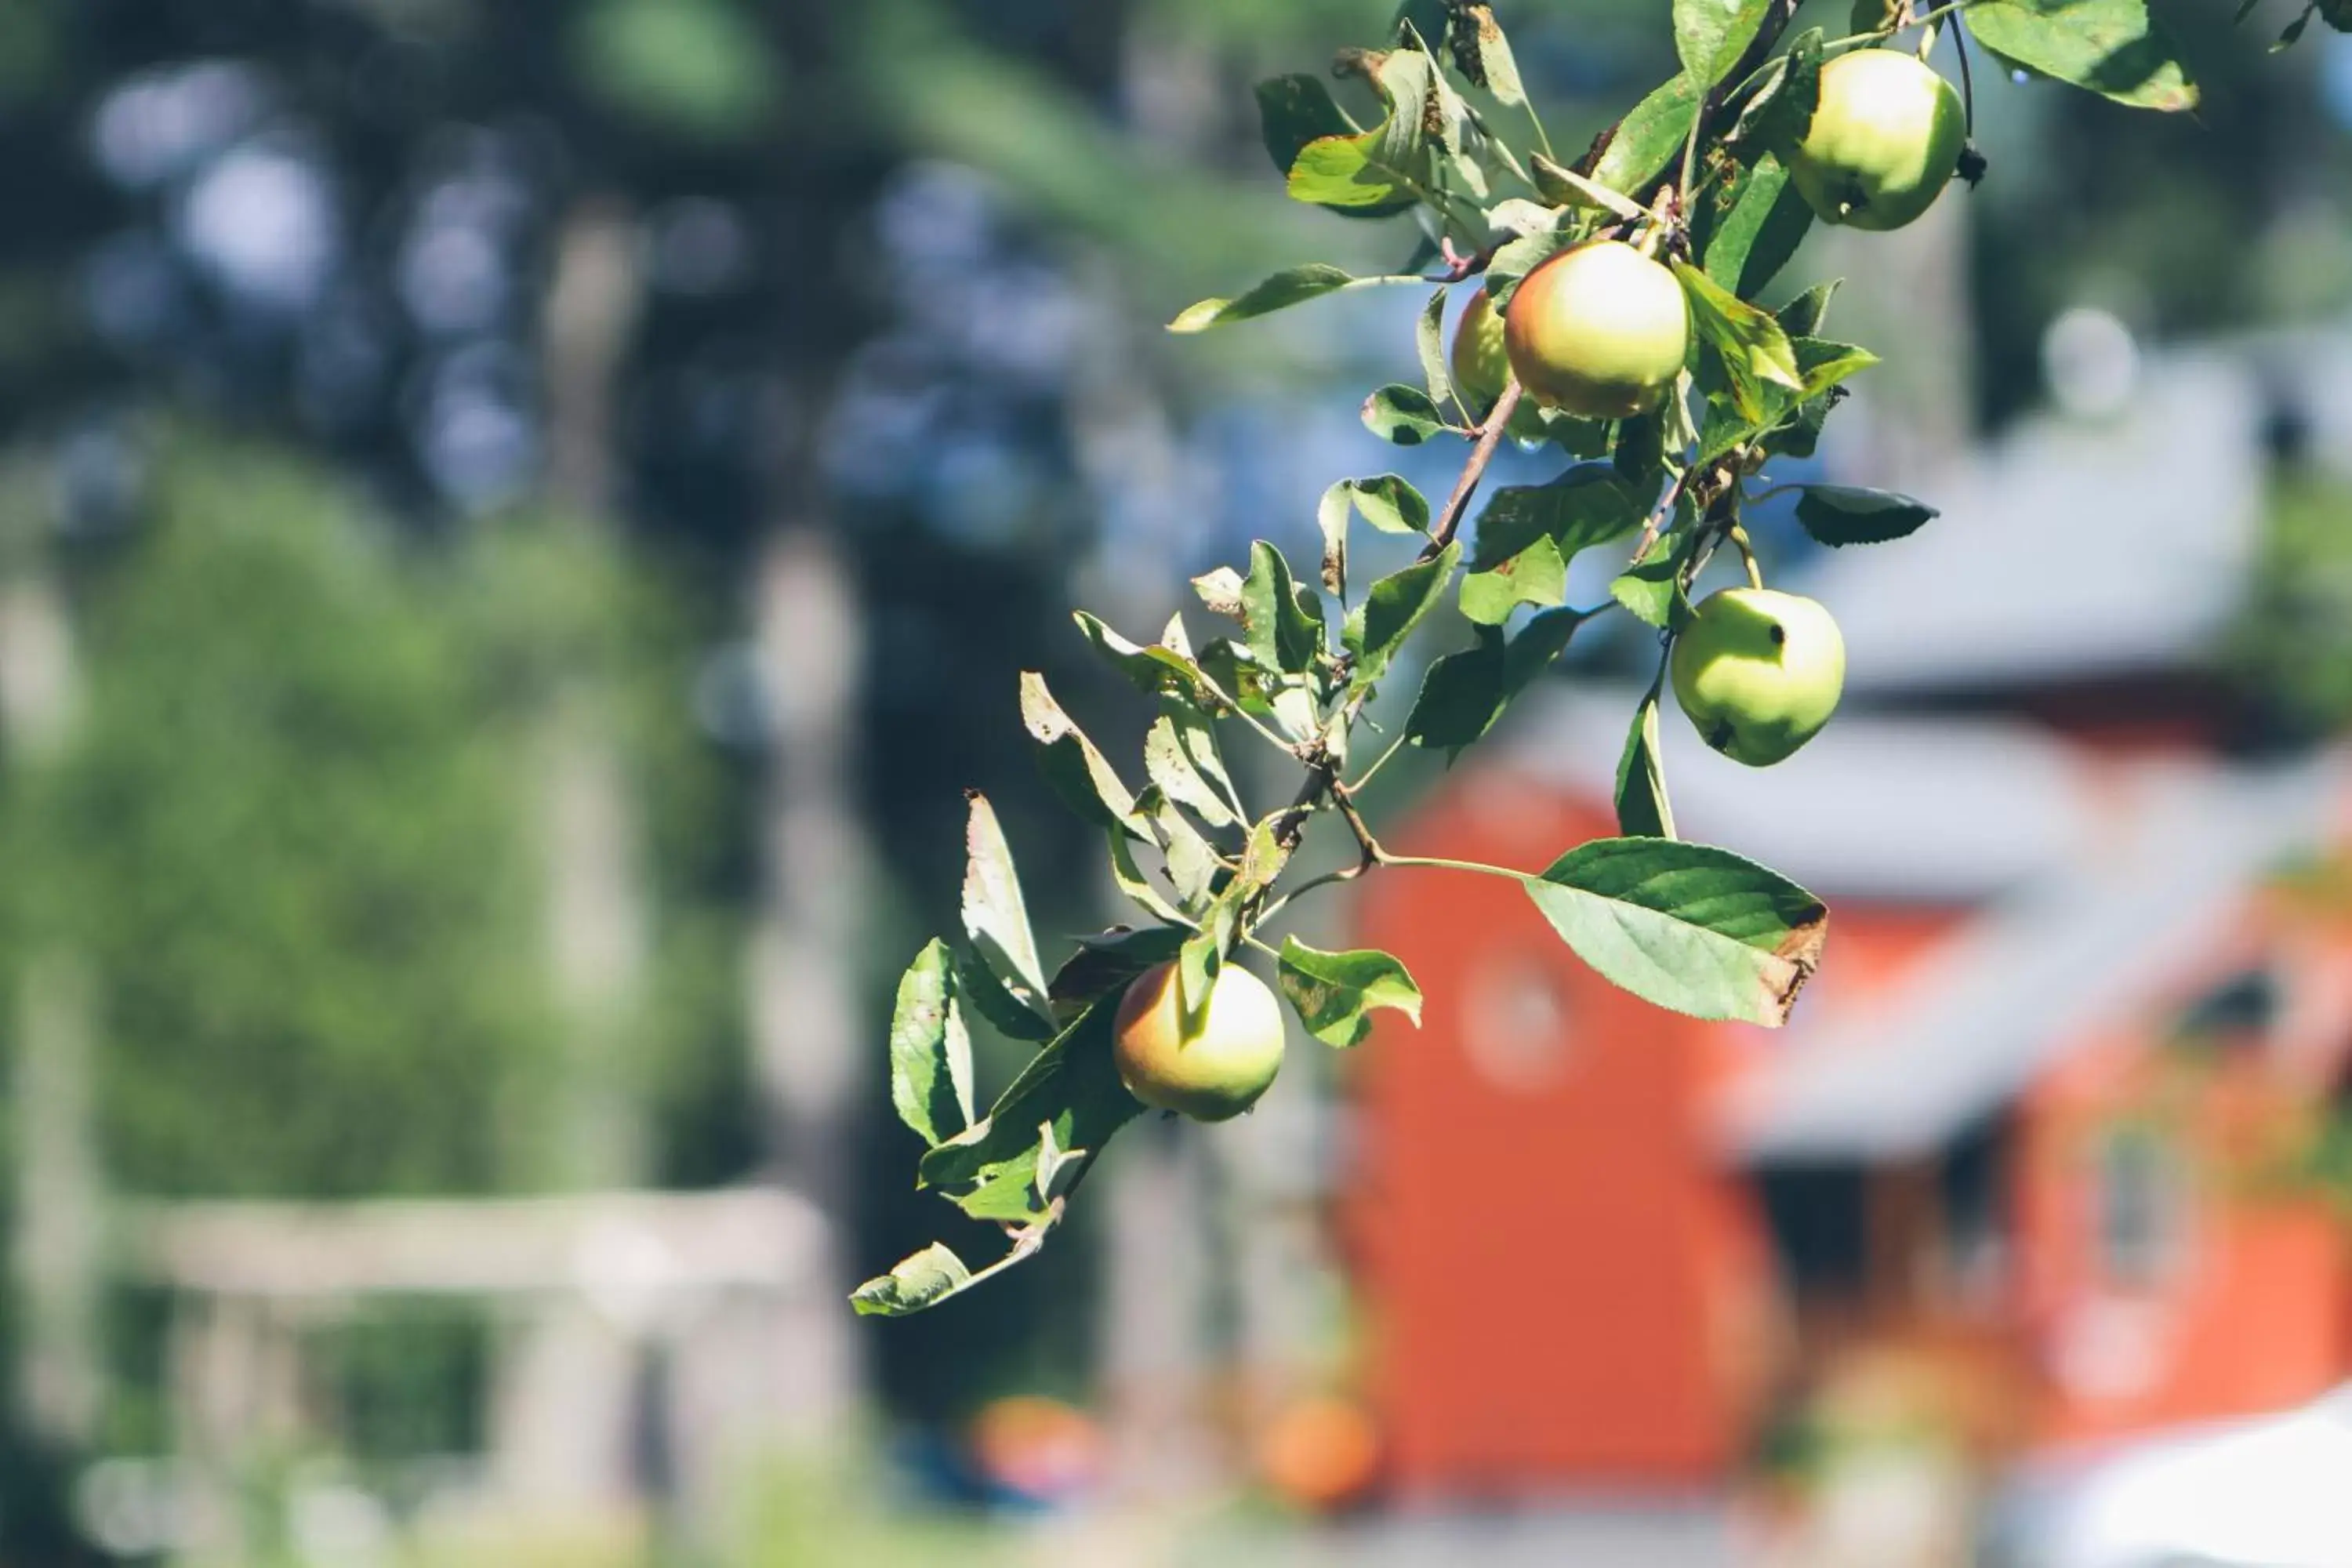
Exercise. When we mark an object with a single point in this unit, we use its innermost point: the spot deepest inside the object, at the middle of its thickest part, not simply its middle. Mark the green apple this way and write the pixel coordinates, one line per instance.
(1600, 331)
(1885, 138)
(1217, 1074)
(1479, 362)
(1757, 672)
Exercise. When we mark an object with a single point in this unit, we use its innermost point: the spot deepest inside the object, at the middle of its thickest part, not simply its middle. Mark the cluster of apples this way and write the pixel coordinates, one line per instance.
(1602, 331)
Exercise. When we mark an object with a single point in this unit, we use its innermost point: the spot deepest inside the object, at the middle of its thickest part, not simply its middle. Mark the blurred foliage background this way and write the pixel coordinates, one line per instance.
(403, 397)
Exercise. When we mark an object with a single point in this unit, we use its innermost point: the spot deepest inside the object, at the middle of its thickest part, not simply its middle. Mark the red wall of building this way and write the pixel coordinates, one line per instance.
(1564, 1289)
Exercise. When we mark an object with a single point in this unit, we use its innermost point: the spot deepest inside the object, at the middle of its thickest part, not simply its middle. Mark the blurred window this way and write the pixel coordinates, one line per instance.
(1516, 1024)
(1816, 1215)
(2142, 1202)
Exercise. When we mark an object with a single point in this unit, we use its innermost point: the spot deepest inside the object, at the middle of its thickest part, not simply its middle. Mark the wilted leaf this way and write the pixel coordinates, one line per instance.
(1293, 111)
(1385, 169)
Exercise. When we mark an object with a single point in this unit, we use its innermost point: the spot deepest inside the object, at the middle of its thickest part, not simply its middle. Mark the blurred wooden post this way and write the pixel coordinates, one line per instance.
(59, 1189)
(807, 953)
(564, 1382)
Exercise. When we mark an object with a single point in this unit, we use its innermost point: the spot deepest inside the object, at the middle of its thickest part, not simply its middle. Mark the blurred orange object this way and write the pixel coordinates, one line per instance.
(1321, 1452)
(1038, 1450)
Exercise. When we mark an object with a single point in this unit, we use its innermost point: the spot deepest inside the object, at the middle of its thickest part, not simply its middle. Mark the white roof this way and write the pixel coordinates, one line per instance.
(1931, 809)
(2068, 547)
(2268, 1492)
(1986, 1012)
(2093, 882)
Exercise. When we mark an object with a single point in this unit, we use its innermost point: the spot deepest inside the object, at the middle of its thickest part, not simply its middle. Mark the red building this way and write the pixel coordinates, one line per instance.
(2036, 1119)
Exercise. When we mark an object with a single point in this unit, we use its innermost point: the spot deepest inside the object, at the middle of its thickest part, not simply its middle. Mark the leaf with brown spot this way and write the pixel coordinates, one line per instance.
(1689, 927)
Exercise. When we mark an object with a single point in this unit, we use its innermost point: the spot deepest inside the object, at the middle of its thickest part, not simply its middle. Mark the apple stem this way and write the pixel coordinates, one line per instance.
(1738, 534)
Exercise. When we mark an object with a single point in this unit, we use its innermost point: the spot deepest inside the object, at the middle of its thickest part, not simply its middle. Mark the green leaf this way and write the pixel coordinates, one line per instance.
(1461, 696)
(1780, 113)
(1640, 455)
(1649, 138)
(1281, 636)
(1802, 317)
(1536, 645)
(924, 1279)
(1378, 626)
(990, 998)
(1109, 961)
(1198, 963)
(1180, 754)
(1642, 810)
(1152, 668)
(1429, 343)
(1513, 261)
(1464, 693)
(1693, 929)
(1334, 992)
(1383, 170)
(1058, 1168)
(1847, 514)
(931, 1052)
(1653, 591)
(1767, 221)
(1403, 415)
(2113, 48)
(1078, 773)
(995, 916)
(1071, 1087)
(1193, 863)
(1293, 111)
(1563, 187)
(1279, 292)
(1536, 575)
(1133, 883)
(1711, 34)
(1822, 363)
(1390, 503)
(1590, 504)
(1749, 343)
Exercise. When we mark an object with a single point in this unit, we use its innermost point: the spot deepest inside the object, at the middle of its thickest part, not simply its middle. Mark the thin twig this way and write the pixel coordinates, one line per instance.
(1369, 846)
(1490, 435)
